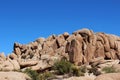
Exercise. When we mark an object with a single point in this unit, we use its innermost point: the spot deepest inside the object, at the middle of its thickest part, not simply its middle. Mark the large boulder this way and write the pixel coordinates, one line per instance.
(7, 66)
(27, 63)
(13, 56)
(40, 66)
(90, 52)
(116, 67)
(15, 64)
(66, 35)
(75, 53)
(60, 40)
(14, 76)
(99, 50)
(105, 41)
(2, 56)
(108, 76)
(17, 51)
(40, 40)
(108, 63)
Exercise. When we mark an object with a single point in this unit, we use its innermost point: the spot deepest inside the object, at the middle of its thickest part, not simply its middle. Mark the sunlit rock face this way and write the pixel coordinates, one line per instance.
(80, 47)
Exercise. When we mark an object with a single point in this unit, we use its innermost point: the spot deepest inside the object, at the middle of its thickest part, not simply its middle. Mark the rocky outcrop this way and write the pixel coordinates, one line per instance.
(109, 76)
(81, 47)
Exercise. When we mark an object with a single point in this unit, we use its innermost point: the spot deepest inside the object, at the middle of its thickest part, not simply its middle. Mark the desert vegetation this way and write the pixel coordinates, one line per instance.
(109, 69)
(62, 67)
(68, 55)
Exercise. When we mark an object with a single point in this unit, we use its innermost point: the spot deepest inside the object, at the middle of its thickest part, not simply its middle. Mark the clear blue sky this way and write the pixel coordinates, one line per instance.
(26, 20)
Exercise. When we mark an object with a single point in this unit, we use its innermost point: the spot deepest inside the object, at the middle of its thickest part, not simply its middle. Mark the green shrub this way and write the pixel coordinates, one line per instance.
(77, 72)
(39, 76)
(46, 75)
(62, 67)
(83, 69)
(109, 70)
(33, 74)
(65, 67)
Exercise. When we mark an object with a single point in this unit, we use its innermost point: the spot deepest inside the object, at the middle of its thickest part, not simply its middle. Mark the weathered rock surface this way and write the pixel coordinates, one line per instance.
(14, 76)
(86, 77)
(80, 78)
(82, 47)
(109, 76)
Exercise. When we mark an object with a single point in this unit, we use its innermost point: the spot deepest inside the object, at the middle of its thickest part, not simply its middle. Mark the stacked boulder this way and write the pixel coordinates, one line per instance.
(81, 47)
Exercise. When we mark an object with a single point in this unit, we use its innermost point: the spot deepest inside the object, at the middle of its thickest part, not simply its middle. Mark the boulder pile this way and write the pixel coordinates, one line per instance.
(80, 47)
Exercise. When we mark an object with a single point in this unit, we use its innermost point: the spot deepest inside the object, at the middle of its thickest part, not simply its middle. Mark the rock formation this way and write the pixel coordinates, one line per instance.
(80, 47)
